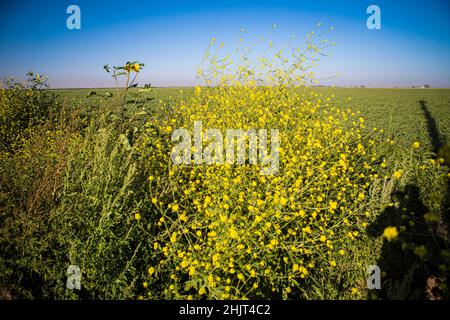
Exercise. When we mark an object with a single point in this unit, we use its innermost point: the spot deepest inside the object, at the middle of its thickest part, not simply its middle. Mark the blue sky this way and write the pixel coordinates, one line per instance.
(170, 37)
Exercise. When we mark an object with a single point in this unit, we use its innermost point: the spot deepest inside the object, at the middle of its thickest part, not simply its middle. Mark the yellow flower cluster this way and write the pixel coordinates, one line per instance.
(132, 67)
(230, 232)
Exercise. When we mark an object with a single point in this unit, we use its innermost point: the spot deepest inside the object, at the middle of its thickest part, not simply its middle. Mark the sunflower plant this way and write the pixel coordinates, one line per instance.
(129, 71)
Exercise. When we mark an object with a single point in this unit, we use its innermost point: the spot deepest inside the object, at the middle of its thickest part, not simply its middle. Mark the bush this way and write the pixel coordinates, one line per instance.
(74, 194)
(229, 232)
(32, 178)
(23, 105)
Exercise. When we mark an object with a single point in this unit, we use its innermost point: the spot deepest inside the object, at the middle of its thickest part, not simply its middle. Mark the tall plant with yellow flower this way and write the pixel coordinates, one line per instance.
(130, 72)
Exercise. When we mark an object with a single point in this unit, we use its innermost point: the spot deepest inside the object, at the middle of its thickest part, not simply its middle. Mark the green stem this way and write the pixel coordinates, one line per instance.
(124, 100)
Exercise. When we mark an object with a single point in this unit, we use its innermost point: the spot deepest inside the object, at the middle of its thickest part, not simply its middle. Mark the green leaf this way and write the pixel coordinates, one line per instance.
(124, 141)
(191, 284)
(141, 113)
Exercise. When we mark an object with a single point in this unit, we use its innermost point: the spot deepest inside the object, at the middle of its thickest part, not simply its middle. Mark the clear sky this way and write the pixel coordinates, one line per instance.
(170, 37)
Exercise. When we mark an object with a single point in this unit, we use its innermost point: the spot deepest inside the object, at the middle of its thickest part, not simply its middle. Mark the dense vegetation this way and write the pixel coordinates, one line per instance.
(87, 180)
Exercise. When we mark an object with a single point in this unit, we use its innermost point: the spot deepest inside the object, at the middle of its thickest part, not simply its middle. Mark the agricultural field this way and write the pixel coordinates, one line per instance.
(394, 110)
(390, 109)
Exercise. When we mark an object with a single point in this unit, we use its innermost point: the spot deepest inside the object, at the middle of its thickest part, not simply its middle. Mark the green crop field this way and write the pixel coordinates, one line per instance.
(397, 110)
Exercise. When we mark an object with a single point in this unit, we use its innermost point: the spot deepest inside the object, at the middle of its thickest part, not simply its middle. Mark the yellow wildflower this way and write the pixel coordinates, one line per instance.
(398, 174)
(390, 233)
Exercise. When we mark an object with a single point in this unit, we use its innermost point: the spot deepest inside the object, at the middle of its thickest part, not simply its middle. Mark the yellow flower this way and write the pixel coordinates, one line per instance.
(137, 216)
(416, 145)
(184, 263)
(333, 205)
(175, 208)
(390, 233)
(173, 237)
(135, 67)
(398, 174)
(151, 271)
(183, 217)
(145, 284)
(306, 229)
(273, 242)
(333, 263)
(233, 233)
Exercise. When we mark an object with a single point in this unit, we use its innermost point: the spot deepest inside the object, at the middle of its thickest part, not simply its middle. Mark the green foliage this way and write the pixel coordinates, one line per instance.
(23, 105)
(95, 216)
(82, 193)
(84, 190)
(126, 71)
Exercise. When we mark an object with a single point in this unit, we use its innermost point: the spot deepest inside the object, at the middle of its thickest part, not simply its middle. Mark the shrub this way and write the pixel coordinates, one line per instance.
(23, 105)
(74, 194)
(229, 232)
(32, 178)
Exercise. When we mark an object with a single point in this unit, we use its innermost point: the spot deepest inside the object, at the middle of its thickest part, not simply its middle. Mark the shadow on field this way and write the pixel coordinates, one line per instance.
(442, 150)
(404, 274)
(415, 265)
(433, 132)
